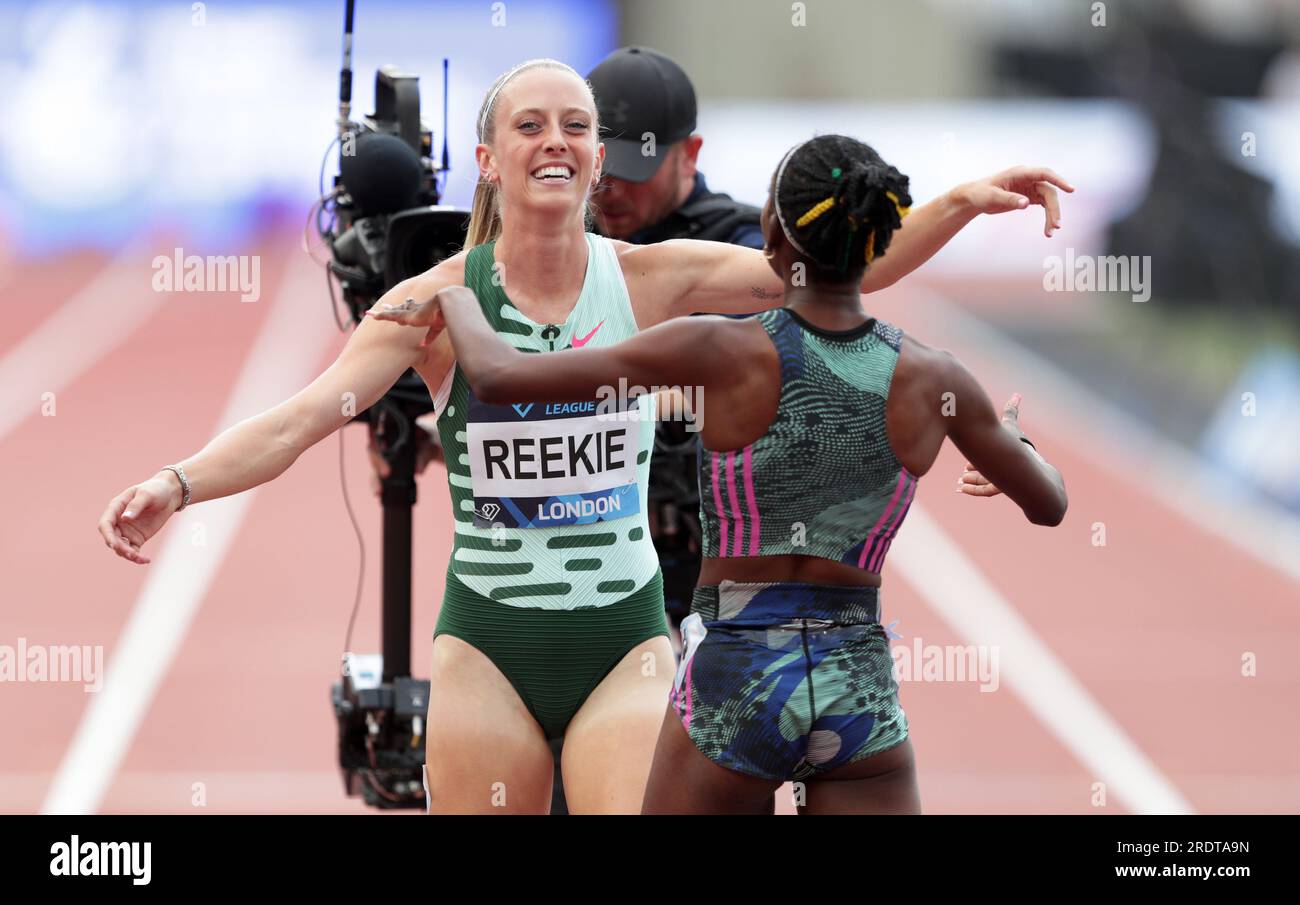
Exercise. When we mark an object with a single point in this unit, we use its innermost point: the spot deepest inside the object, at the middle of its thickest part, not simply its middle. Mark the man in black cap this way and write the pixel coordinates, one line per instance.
(652, 190)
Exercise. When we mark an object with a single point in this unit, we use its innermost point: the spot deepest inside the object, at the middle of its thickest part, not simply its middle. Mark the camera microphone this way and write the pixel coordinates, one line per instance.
(383, 174)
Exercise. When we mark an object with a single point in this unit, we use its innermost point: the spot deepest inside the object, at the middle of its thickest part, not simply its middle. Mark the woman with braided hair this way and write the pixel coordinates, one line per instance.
(552, 623)
(821, 420)
(868, 196)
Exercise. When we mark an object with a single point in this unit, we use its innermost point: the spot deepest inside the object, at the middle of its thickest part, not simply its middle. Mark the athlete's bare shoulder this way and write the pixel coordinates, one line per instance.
(637, 260)
(927, 376)
(927, 390)
(657, 275)
(655, 254)
(664, 258)
(447, 272)
(919, 361)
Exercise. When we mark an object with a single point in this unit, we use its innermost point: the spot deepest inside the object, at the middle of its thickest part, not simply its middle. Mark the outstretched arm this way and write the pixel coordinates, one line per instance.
(682, 351)
(931, 227)
(689, 276)
(260, 448)
(1002, 461)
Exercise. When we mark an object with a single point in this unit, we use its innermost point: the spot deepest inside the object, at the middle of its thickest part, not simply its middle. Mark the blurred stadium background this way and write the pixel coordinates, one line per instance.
(1147, 647)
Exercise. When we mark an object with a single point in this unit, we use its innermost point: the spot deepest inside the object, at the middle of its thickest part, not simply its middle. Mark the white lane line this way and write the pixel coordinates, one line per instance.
(283, 359)
(99, 317)
(928, 559)
(1116, 442)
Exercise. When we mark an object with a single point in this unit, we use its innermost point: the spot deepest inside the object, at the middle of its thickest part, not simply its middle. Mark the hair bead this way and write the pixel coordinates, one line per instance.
(814, 212)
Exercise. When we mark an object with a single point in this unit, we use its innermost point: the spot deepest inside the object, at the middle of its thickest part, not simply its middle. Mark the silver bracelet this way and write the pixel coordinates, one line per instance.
(185, 485)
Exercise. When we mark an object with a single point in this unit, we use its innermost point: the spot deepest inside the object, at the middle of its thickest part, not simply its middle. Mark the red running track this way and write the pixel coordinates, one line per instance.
(1153, 625)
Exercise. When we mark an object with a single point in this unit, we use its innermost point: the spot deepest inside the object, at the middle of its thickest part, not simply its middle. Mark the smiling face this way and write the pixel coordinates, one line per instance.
(541, 148)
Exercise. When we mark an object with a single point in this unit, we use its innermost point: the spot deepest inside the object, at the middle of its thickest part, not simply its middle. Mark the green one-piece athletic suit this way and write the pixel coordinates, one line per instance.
(553, 574)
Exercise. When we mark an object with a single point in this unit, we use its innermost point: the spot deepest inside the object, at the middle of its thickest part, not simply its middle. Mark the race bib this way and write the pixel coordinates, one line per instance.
(549, 464)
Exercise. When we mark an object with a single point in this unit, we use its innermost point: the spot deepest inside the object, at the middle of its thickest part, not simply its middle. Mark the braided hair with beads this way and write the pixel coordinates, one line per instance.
(839, 204)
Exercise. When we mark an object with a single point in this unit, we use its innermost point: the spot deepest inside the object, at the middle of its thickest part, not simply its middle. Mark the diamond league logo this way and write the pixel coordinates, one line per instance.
(489, 511)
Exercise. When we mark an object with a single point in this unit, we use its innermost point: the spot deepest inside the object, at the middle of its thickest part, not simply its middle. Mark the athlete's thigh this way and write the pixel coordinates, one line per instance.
(684, 781)
(884, 783)
(484, 751)
(610, 741)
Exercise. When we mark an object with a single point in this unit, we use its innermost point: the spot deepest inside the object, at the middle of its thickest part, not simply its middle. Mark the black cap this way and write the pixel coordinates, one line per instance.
(639, 90)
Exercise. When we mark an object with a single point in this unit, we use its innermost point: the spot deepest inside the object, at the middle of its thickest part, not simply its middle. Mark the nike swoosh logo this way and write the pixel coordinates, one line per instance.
(579, 343)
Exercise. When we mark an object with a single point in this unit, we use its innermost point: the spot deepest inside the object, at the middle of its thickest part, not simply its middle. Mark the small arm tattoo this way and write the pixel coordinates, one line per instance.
(759, 292)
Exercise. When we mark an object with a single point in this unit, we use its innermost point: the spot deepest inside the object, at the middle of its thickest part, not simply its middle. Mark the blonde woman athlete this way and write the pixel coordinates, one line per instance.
(552, 623)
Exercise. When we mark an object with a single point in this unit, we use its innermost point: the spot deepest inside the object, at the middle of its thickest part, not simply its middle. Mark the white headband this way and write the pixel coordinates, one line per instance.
(504, 80)
(776, 198)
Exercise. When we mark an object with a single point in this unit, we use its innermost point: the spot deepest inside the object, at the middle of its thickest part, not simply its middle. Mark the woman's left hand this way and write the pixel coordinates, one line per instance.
(1018, 189)
(972, 483)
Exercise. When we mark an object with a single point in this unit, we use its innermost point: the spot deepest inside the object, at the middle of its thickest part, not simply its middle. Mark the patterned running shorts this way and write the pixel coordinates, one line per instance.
(785, 681)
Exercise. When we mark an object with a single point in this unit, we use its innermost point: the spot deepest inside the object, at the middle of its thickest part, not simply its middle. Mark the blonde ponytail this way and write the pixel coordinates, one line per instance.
(484, 215)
